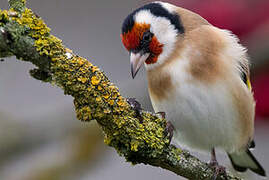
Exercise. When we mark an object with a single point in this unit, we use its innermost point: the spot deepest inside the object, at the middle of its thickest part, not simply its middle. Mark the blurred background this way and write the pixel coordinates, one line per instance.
(40, 137)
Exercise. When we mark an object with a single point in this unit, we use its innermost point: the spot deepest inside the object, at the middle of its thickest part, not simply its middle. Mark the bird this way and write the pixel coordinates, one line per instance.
(199, 76)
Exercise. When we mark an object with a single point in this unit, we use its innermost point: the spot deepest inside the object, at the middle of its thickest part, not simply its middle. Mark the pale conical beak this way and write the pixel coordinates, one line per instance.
(136, 62)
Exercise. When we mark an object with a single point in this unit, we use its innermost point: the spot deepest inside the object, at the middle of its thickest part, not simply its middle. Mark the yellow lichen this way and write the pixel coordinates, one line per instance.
(36, 24)
(80, 62)
(82, 79)
(84, 114)
(98, 99)
(107, 139)
(107, 111)
(176, 153)
(134, 145)
(95, 80)
(106, 96)
(95, 97)
(111, 102)
(68, 50)
(121, 102)
(3, 16)
(95, 68)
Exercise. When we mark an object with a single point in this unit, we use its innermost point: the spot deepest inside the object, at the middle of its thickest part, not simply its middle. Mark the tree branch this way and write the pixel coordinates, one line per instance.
(26, 36)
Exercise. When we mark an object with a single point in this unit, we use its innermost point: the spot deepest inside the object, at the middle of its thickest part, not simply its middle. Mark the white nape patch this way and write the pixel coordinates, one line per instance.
(162, 28)
(169, 7)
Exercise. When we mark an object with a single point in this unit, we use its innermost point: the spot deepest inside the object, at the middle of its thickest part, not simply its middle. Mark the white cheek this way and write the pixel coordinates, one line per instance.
(163, 30)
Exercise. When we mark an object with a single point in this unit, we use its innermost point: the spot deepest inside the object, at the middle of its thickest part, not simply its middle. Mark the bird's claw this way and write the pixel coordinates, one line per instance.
(169, 131)
(162, 114)
(134, 104)
(137, 107)
(218, 170)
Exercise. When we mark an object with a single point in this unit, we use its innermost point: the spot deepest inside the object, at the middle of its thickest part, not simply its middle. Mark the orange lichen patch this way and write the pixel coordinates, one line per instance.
(95, 68)
(95, 80)
(156, 48)
(131, 40)
(111, 102)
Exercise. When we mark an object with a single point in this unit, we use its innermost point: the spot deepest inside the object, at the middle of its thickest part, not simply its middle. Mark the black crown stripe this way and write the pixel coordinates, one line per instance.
(157, 10)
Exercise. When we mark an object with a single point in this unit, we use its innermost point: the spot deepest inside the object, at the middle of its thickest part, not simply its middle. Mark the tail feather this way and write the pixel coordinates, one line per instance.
(243, 161)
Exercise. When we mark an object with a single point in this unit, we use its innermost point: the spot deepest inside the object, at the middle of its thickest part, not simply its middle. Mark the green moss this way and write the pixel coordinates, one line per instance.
(175, 153)
(4, 18)
(18, 5)
(95, 97)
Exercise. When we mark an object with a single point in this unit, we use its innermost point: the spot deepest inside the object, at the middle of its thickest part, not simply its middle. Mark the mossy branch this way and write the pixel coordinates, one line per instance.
(26, 36)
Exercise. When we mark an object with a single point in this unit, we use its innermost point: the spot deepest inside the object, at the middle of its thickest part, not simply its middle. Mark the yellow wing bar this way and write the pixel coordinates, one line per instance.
(249, 84)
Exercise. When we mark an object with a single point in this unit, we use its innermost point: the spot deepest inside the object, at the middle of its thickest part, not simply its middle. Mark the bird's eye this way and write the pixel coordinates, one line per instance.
(147, 36)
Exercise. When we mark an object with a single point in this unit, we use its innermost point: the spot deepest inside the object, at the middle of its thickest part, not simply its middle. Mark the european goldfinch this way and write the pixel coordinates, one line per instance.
(198, 75)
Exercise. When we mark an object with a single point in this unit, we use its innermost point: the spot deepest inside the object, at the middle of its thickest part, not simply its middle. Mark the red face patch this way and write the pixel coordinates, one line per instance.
(156, 48)
(131, 41)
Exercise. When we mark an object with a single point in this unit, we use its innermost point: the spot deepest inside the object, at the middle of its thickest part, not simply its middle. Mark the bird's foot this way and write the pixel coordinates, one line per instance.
(162, 114)
(169, 130)
(137, 107)
(218, 170)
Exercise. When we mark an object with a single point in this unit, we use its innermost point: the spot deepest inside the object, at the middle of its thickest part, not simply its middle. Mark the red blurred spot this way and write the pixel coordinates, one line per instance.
(261, 94)
(240, 16)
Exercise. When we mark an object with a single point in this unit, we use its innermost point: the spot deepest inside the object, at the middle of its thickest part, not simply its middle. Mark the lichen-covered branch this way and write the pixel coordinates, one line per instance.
(26, 36)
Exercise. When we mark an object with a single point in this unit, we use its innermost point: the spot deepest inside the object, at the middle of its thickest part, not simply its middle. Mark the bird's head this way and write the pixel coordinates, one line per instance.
(150, 33)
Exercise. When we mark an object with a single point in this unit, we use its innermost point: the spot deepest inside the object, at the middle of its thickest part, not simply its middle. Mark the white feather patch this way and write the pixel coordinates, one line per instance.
(162, 28)
(169, 7)
(235, 51)
(204, 116)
